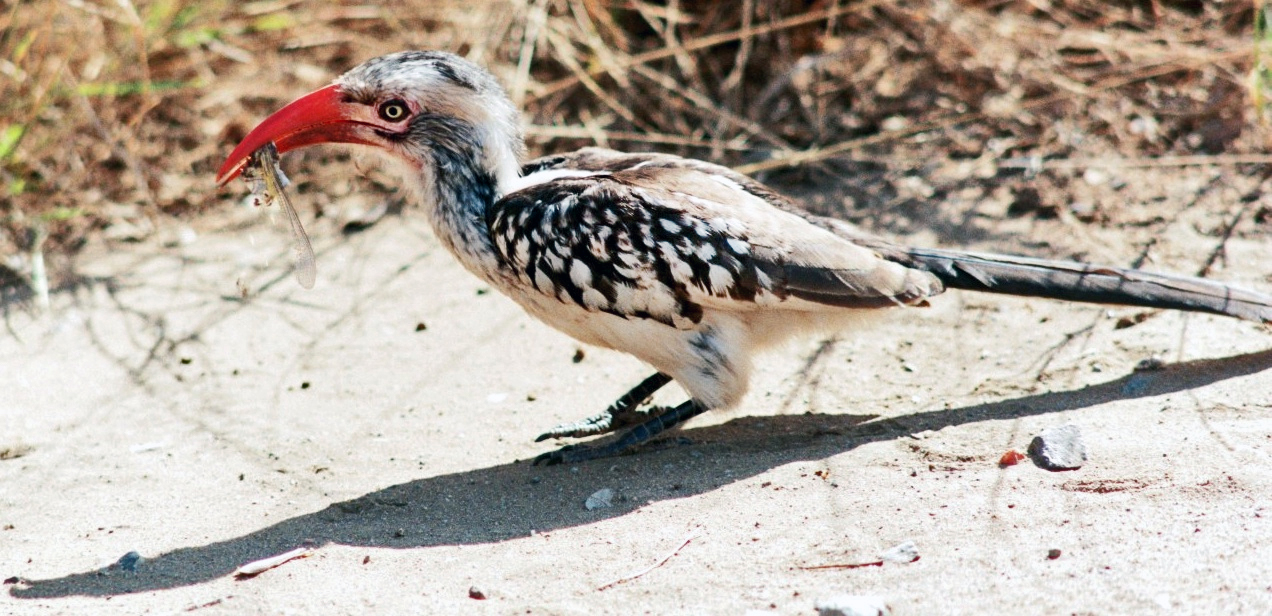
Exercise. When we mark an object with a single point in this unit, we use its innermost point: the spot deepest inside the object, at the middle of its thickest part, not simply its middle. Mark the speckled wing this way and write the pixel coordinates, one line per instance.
(660, 241)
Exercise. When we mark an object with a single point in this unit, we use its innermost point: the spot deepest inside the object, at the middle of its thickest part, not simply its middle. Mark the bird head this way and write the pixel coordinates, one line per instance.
(390, 103)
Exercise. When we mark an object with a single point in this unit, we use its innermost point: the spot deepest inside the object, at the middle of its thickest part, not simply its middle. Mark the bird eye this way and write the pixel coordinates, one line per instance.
(394, 110)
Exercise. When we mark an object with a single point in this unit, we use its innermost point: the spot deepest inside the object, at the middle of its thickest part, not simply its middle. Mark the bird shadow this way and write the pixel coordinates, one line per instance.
(498, 503)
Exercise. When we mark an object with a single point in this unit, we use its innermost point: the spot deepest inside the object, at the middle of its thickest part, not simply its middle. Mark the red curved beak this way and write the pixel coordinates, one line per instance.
(322, 116)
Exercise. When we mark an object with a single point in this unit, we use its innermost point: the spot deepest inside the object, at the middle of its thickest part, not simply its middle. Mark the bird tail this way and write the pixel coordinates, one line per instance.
(1080, 282)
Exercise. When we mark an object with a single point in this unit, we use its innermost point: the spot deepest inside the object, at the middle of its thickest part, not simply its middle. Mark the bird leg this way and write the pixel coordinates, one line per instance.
(619, 415)
(640, 434)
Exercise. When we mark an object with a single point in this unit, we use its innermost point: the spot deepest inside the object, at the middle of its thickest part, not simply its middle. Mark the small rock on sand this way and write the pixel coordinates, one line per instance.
(902, 553)
(600, 499)
(1059, 449)
(128, 562)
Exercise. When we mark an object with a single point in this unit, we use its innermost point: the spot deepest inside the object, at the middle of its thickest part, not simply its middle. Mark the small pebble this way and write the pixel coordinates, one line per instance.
(476, 593)
(852, 605)
(1131, 321)
(600, 499)
(1059, 449)
(128, 562)
(1053, 554)
(1150, 364)
(902, 553)
(419, 327)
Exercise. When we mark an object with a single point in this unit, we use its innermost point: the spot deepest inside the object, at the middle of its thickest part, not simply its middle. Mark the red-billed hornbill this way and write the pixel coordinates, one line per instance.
(686, 265)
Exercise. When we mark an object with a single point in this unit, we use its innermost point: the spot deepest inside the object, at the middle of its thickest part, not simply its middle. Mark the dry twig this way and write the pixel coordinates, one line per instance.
(258, 567)
(661, 562)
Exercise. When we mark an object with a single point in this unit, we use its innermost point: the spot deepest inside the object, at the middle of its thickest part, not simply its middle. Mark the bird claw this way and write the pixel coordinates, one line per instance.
(601, 423)
(621, 414)
(635, 437)
(596, 424)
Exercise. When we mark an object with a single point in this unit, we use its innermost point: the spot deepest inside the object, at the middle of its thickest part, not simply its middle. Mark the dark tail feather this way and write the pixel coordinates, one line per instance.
(1079, 282)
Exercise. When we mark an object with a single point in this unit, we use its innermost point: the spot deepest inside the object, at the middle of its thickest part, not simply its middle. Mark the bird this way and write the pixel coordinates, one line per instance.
(687, 265)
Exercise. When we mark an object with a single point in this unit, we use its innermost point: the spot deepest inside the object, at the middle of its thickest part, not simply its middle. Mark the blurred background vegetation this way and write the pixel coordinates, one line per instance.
(114, 114)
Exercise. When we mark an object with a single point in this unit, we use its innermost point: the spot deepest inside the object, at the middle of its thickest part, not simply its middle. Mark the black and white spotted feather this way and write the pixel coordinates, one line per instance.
(659, 237)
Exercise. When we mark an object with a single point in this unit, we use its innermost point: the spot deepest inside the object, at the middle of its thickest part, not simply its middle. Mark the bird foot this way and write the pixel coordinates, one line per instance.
(581, 453)
(659, 419)
(601, 423)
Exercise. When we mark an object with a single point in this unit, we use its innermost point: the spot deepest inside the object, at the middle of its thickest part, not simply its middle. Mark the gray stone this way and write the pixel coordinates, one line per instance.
(1059, 449)
(902, 553)
(600, 499)
(128, 562)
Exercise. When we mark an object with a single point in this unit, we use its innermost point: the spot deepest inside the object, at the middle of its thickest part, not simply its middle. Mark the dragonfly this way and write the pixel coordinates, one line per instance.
(267, 180)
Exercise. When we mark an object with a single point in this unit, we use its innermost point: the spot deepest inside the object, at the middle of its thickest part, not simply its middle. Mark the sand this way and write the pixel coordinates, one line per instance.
(386, 418)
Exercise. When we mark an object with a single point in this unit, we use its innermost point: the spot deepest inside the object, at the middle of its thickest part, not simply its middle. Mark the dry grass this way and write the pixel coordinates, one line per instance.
(116, 114)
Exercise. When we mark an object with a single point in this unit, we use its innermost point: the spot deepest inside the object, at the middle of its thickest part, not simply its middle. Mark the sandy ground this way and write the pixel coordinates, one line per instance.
(155, 410)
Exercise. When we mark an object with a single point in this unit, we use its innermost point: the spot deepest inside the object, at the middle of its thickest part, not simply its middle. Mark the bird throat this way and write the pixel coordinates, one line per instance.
(459, 186)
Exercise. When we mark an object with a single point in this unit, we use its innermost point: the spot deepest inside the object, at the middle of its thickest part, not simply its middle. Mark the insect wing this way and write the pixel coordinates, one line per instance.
(303, 262)
(272, 183)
